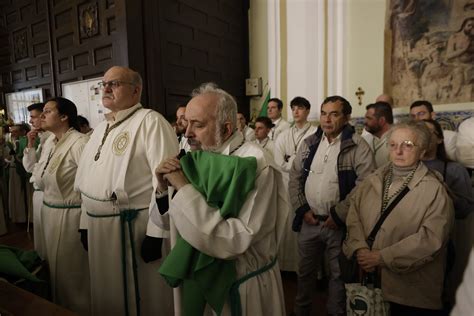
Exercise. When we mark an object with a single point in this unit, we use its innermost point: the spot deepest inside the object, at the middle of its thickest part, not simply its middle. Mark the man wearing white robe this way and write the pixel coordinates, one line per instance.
(465, 143)
(274, 108)
(286, 146)
(378, 120)
(252, 237)
(31, 157)
(263, 127)
(115, 178)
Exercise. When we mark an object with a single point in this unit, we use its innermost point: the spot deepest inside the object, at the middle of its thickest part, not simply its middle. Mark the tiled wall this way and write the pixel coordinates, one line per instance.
(448, 120)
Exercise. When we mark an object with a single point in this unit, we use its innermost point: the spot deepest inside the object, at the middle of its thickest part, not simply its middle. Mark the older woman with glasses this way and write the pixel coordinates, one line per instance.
(458, 181)
(409, 250)
(54, 174)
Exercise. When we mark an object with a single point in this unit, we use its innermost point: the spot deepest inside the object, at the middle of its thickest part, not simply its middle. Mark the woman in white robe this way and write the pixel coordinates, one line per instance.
(67, 259)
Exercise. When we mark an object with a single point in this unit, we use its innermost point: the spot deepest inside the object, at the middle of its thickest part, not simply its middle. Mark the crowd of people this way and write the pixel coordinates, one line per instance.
(135, 217)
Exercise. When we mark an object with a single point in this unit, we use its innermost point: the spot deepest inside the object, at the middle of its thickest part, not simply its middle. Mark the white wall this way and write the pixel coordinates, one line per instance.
(305, 72)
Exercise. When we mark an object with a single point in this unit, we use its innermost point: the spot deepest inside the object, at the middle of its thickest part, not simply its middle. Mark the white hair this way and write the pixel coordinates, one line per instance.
(226, 104)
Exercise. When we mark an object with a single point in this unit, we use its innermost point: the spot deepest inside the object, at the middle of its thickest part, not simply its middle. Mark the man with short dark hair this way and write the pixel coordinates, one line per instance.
(274, 108)
(263, 127)
(325, 171)
(378, 120)
(423, 110)
(31, 157)
(286, 146)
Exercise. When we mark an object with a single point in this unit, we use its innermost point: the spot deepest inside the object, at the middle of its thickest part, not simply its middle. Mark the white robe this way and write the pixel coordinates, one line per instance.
(285, 146)
(126, 167)
(252, 238)
(379, 148)
(249, 134)
(183, 144)
(465, 143)
(450, 143)
(267, 144)
(280, 126)
(465, 294)
(67, 259)
(31, 162)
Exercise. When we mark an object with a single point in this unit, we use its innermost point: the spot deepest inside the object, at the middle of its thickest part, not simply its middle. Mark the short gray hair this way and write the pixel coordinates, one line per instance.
(226, 104)
(421, 131)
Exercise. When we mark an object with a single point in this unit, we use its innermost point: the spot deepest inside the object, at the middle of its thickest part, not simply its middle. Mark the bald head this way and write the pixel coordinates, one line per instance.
(385, 98)
(122, 88)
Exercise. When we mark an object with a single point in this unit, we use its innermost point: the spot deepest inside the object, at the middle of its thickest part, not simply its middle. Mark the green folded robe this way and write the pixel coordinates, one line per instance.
(17, 263)
(225, 182)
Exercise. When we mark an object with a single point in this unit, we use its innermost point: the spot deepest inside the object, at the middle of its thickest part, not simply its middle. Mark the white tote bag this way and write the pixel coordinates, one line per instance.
(365, 301)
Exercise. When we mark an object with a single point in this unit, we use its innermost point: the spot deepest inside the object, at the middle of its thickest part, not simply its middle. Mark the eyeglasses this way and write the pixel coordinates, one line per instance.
(113, 84)
(406, 145)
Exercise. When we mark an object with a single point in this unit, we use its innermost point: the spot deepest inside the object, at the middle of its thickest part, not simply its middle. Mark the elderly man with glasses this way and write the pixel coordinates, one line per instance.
(115, 178)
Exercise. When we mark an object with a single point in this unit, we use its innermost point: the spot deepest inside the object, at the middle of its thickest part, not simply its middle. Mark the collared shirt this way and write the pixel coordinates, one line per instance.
(322, 185)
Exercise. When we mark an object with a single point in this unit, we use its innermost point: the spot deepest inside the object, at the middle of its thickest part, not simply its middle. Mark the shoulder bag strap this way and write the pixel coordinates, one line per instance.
(370, 240)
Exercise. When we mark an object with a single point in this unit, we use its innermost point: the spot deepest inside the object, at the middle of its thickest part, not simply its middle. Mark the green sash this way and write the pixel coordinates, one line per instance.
(225, 182)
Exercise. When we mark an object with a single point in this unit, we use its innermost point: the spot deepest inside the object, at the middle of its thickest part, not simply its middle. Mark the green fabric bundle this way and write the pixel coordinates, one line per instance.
(225, 182)
(17, 263)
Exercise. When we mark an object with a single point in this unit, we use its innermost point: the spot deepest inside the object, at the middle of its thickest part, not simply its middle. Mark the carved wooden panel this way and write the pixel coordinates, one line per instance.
(175, 44)
(85, 38)
(24, 46)
(202, 41)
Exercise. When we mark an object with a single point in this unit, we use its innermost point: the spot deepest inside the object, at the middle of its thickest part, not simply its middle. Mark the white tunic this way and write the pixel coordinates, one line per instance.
(465, 294)
(32, 155)
(60, 215)
(379, 148)
(450, 143)
(31, 162)
(249, 133)
(465, 143)
(183, 144)
(252, 238)
(266, 144)
(125, 170)
(286, 146)
(280, 126)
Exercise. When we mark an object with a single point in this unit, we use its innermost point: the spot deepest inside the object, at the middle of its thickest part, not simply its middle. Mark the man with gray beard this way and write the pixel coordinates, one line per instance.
(249, 239)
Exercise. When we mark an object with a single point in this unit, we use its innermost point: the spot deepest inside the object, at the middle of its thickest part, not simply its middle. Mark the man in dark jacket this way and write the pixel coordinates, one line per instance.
(326, 169)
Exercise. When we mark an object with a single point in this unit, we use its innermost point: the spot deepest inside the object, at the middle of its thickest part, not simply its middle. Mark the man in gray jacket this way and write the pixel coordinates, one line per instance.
(327, 167)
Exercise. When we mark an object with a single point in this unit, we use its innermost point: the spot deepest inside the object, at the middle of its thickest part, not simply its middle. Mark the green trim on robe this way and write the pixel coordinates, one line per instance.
(225, 182)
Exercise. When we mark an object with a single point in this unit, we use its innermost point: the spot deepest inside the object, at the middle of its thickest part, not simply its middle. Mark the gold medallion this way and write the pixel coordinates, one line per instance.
(120, 143)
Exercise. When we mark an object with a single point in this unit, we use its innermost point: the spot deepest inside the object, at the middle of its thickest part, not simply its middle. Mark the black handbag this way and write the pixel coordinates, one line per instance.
(350, 270)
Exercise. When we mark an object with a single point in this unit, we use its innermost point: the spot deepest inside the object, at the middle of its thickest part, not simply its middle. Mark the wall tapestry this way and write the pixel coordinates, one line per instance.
(429, 51)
